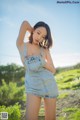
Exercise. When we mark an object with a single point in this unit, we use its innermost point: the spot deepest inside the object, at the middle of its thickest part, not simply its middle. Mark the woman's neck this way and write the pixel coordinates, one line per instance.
(36, 45)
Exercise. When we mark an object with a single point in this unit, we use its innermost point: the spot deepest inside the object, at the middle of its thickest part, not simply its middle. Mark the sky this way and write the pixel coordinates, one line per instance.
(63, 19)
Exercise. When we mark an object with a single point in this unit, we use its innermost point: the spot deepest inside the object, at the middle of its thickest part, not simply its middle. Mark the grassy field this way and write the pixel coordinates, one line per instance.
(69, 79)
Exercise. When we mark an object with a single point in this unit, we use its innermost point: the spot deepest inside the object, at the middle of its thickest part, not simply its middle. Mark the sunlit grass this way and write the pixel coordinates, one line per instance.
(69, 79)
(41, 112)
(63, 95)
(70, 114)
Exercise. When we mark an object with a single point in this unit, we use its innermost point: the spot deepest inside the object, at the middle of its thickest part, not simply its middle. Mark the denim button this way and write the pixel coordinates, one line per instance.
(32, 58)
(39, 60)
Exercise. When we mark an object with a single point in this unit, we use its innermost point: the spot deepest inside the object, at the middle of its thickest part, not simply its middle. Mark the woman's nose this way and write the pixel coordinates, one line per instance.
(39, 38)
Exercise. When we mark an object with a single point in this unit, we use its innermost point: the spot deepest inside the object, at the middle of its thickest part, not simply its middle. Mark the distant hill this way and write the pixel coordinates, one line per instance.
(60, 69)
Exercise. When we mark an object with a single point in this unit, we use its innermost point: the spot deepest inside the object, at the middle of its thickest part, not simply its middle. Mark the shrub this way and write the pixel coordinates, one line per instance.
(10, 93)
(11, 72)
(14, 112)
(69, 79)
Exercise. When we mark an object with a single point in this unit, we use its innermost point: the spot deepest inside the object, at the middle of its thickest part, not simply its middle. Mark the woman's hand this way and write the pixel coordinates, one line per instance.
(50, 67)
(47, 62)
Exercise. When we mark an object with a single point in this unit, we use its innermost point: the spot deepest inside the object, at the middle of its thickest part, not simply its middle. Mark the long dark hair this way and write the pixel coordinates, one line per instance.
(48, 38)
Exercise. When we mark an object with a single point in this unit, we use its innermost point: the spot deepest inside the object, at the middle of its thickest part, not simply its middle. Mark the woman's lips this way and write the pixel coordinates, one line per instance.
(37, 41)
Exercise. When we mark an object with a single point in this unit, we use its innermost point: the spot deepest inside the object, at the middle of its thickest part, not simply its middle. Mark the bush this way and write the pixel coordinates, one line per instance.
(14, 112)
(10, 93)
(69, 79)
(11, 72)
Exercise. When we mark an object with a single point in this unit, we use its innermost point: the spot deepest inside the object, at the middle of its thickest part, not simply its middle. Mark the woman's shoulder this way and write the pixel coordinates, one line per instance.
(46, 50)
(27, 43)
(21, 47)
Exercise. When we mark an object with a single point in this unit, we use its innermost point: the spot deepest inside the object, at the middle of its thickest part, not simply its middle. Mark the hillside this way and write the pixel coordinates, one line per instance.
(68, 102)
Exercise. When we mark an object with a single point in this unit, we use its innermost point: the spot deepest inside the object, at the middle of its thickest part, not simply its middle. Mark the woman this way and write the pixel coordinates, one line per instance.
(39, 74)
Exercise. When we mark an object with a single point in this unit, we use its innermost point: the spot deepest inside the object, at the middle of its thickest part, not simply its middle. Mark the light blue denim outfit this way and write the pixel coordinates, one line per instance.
(38, 80)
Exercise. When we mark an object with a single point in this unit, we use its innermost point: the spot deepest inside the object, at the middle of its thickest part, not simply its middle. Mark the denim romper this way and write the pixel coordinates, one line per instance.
(38, 80)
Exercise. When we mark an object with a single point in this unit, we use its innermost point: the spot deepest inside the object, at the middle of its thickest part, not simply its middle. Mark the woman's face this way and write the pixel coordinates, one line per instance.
(39, 35)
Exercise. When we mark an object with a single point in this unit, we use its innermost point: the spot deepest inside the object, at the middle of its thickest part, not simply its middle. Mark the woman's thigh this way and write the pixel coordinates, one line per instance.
(32, 107)
(50, 108)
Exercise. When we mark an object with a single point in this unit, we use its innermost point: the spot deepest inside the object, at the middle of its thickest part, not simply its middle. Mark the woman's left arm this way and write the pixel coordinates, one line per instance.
(49, 63)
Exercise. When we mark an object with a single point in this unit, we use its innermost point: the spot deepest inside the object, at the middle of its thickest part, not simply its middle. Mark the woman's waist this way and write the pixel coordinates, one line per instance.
(42, 73)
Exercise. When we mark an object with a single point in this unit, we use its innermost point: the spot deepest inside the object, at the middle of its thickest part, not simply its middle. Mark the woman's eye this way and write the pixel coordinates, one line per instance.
(43, 38)
(38, 33)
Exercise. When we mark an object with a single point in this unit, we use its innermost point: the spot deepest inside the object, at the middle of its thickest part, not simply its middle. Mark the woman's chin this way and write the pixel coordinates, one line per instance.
(36, 43)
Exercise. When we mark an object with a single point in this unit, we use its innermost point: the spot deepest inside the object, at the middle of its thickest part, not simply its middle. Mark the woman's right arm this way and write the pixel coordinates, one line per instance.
(25, 26)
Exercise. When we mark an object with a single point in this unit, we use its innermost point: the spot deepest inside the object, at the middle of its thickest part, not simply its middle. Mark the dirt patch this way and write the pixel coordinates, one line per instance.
(71, 101)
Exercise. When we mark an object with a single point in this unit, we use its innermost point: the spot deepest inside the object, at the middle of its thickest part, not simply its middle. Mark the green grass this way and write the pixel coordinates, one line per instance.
(69, 79)
(70, 114)
(70, 109)
(41, 112)
(75, 116)
(63, 95)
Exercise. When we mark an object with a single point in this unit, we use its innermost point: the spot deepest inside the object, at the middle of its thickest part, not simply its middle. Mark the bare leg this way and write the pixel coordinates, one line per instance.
(50, 108)
(32, 107)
